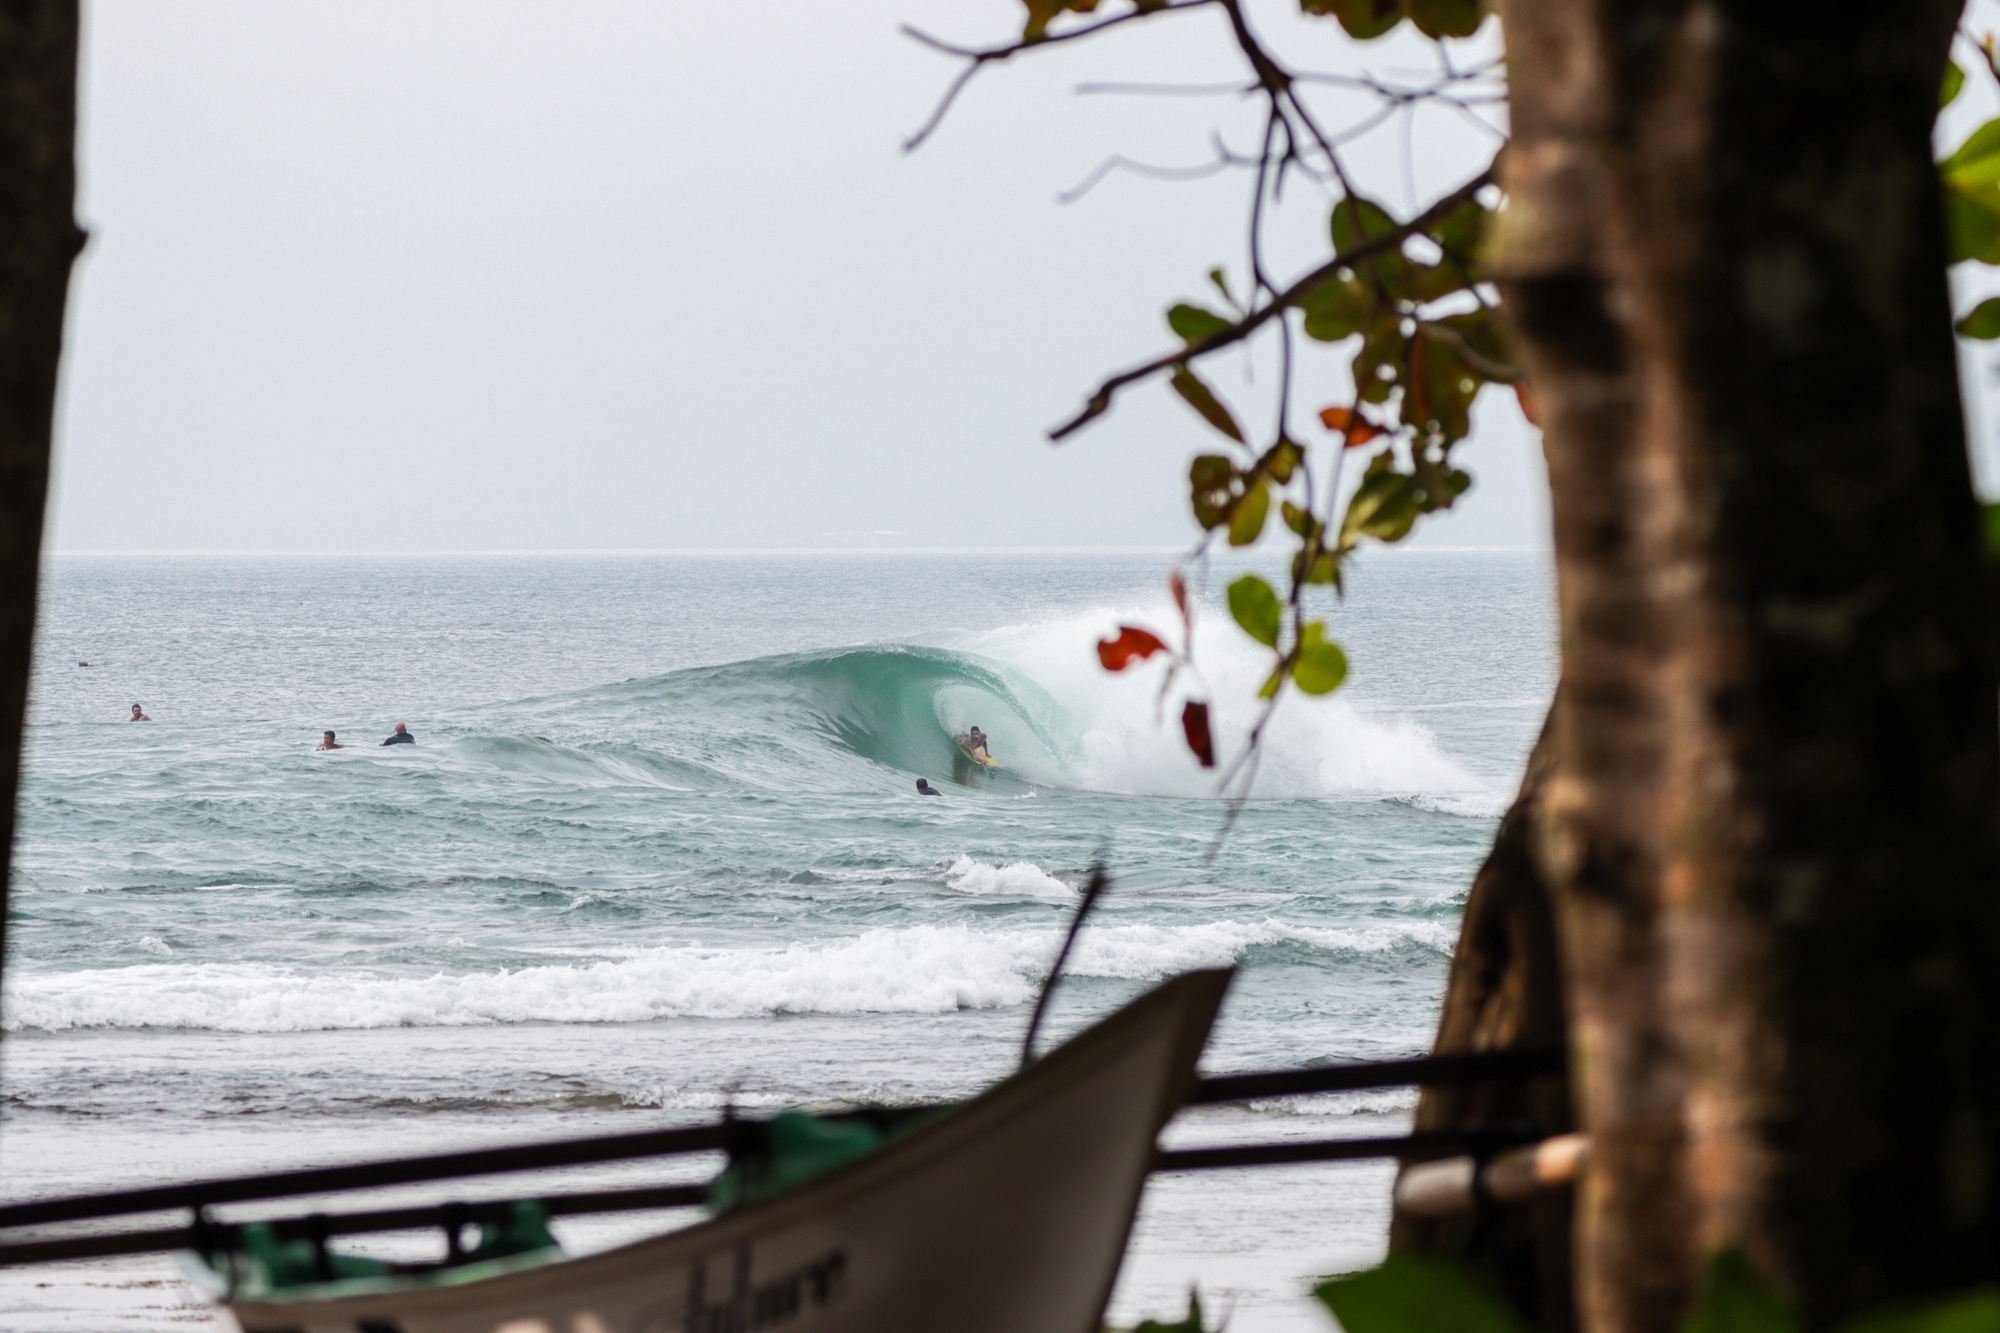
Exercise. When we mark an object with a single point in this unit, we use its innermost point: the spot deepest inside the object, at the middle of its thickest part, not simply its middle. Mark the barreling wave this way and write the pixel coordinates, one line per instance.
(895, 970)
(1055, 719)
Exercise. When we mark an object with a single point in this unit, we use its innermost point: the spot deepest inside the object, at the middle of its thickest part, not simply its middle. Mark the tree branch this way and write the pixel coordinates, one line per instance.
(978, 56)
(1100, 401)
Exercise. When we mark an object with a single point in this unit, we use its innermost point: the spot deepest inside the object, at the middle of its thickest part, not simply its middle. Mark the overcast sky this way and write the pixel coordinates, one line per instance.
(427, 276)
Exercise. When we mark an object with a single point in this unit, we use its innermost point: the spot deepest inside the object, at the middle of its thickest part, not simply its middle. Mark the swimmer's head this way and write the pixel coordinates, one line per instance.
(328, 735)
(400, 726)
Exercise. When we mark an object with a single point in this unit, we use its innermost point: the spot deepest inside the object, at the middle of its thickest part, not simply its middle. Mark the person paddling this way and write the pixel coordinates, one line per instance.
(138, 715)
(327, 742)
(924, 788)
(401, 736)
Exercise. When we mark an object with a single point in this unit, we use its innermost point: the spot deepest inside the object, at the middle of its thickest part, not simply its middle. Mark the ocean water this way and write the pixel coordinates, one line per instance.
(657, 850)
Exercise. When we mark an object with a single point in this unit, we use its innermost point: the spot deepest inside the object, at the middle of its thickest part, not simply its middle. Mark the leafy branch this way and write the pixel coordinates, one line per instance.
(1406, 295)
(1293, 297)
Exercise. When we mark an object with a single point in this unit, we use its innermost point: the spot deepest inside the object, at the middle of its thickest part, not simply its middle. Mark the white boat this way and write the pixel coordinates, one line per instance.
(1009, 1214)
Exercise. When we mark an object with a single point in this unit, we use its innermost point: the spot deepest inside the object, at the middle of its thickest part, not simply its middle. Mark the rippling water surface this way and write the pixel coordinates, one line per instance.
(658, 847)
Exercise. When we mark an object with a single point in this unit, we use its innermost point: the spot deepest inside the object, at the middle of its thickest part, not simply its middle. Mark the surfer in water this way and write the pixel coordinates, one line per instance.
(924, 788)
(138, 715)
(401, 736)
(327, 742)
(975, 741)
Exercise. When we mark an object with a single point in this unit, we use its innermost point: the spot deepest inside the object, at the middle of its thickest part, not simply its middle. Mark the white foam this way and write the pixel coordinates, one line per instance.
(1145, 952)
(1471, 805)
(1022, 879)
(1117, 734)
(913, 970)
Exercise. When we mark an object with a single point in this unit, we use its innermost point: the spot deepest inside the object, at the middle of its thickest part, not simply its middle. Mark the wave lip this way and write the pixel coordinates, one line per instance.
(899, 970)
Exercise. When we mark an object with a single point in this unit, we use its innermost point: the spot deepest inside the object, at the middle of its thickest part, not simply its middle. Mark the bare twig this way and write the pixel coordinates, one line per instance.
(1472, 356)
(1118, 162)
(1100, 402)
(1165, 89)
(981, 56)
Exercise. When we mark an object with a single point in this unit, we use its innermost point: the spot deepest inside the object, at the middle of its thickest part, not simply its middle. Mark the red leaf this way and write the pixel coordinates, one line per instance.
(1194, 721)
(1528, 408)
(1178, 587)
(1131, 644)
(1357, 428)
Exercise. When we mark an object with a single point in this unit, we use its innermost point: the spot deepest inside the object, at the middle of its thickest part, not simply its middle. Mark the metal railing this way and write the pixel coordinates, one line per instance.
(206, 1235)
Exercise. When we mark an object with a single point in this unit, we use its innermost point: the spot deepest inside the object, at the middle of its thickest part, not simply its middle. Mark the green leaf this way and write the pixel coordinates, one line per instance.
(1734, 1299)
(1439, 383)
(1989, 516)
(1297, 519)
(1446, 18)
(1212, 488)
(1325, 568)
(1983, 321)
(1977, 1313)
(1461, 235)
(1413, 1293)
(1954, 79)
(1383, 507)
(1972, 225)
(1321, 664)
(1356, 221)
(1281, 460)
(1256, 608)
(1246, 523)
(1378, 366)
(1193, 323)
(1221, 281)
(1336, 308)
(1971, 180)
(1979, 155)
(1362, 18)
(1203, 400)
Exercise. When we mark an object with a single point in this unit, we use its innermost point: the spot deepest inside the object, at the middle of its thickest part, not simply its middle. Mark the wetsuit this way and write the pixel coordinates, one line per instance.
(400, 738)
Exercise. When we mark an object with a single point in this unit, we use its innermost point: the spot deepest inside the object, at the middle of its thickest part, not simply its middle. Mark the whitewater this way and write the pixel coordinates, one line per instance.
(658, 850)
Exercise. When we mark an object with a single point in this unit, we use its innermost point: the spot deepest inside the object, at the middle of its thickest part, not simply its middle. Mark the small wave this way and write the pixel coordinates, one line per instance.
(1022, 879)
(910, 970)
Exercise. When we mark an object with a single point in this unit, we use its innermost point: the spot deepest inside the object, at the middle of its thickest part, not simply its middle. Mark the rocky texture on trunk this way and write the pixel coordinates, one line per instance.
(1505, 993)
(1768, 825)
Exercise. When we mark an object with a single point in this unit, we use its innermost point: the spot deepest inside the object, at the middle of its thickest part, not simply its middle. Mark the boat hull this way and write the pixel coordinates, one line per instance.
(1010, 1215)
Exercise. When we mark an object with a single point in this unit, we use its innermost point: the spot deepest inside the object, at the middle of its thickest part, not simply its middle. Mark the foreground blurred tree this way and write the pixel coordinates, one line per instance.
(1753, 878)
(38, 241)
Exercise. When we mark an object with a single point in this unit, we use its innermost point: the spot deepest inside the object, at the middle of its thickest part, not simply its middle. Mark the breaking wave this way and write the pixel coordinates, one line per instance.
(907, 970)
(1056, 719)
